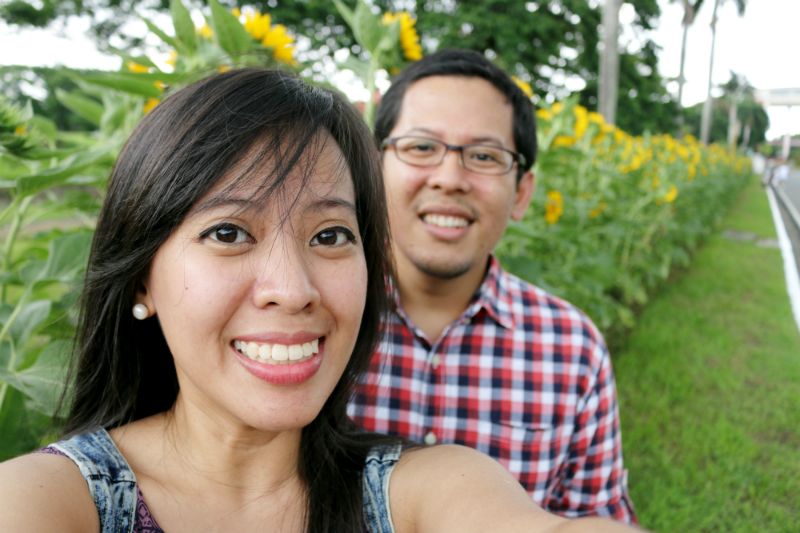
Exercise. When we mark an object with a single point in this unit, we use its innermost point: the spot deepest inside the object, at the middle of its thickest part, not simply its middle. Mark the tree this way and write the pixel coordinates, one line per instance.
(705, 126)
(545, 45)
(736, 105)
(743, 112)
(552, 45)
(608, 74)
(690, 9)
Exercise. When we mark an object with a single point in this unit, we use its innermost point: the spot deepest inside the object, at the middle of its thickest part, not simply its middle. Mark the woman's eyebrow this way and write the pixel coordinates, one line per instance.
(322, 204)
(220, 201)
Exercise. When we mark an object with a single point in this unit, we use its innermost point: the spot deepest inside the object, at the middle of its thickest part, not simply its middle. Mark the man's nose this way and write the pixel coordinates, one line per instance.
(450, 175)
(283, 278)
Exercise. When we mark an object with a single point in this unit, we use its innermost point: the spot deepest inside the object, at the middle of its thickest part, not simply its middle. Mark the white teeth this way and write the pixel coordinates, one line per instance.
(445, 221)
(252, 350)
(295, 352)
(280, 352)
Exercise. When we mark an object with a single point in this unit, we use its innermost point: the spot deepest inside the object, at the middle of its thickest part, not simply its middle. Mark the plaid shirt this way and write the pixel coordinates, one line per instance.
(522, 376)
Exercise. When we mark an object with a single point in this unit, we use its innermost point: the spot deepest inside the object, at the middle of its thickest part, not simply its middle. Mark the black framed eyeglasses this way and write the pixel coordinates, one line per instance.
(478, 158)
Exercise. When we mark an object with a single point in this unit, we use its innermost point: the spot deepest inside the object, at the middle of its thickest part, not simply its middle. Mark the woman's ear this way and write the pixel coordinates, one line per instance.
(143, 302)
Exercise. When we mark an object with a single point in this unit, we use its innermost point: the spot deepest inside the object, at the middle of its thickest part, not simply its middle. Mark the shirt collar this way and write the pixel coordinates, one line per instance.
(492, 295)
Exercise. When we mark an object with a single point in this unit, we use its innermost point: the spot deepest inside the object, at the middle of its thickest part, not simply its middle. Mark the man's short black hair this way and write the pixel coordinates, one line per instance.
(468, 63)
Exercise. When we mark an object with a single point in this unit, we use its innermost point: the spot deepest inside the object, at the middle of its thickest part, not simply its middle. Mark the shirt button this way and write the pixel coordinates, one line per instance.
(435, 360)
(430, 438)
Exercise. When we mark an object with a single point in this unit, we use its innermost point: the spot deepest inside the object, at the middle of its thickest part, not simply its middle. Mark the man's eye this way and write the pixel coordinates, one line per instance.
(421, 148)
(486, 156)
(228, 234)
(333, 237)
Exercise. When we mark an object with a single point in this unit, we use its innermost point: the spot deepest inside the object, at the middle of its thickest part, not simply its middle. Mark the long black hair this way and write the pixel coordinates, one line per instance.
(122, 368)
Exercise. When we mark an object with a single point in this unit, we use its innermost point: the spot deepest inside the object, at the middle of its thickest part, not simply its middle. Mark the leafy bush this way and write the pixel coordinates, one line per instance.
(613, 213)
(40, 274)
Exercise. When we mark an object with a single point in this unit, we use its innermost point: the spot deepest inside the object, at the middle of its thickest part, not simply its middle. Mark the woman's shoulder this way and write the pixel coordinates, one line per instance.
(444, 458)
(447, 464)
(454, 488)
(45, 492)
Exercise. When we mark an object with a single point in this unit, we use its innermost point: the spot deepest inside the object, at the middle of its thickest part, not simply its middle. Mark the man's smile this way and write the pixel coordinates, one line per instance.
(445, 221)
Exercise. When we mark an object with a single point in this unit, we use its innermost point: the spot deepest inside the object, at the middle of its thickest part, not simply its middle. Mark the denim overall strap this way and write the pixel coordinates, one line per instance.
(111, 481)
(377, 472)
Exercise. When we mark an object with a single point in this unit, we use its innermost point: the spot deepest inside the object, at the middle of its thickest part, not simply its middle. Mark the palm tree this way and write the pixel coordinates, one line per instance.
(690, 9)
(705, 124)
(608, 90)
(736, 90)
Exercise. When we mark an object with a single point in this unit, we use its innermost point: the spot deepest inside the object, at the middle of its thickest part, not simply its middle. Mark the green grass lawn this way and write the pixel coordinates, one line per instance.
(709, 391)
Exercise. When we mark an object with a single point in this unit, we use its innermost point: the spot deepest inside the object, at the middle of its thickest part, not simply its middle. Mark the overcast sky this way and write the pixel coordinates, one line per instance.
(763, 45)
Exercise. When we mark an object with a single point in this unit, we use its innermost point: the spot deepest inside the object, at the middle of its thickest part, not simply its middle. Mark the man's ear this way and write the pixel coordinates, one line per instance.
(523, 196)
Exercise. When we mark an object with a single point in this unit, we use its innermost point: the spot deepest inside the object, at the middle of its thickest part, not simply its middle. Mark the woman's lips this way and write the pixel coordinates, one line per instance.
(284, 364)
(276, 353)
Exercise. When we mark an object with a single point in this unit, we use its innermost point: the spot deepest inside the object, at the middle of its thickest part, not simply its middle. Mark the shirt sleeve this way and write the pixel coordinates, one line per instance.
(594, 482)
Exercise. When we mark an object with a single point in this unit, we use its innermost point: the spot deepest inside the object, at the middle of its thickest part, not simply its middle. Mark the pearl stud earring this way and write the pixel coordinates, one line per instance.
(140, 311)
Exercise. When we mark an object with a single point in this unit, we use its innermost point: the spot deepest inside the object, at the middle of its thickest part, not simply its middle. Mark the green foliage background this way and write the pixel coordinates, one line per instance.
(613, 212)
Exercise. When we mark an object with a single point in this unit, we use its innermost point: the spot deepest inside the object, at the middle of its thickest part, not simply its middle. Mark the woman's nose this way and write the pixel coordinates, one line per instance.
(283, 278)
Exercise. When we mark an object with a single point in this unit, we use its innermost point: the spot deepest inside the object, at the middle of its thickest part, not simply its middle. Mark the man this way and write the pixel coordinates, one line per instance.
(474, 355)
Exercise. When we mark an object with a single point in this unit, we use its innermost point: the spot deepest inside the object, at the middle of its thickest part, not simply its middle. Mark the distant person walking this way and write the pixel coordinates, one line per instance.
(769, 169)
(781, 174)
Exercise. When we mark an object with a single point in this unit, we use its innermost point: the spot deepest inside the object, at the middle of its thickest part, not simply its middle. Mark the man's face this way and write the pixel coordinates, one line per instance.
(446, 220)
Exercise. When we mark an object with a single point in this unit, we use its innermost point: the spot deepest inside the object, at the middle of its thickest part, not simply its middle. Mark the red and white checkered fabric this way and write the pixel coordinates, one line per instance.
(522, 376)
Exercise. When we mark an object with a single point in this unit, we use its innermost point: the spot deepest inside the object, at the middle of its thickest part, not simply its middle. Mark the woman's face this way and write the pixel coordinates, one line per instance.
(261, 306)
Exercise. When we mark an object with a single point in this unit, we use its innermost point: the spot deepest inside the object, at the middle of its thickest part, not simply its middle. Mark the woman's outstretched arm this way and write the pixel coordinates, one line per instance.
(455, 489)
(45, 493)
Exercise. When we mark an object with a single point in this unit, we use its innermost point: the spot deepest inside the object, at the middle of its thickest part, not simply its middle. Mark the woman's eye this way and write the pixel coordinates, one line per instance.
(333, 237)
(228, 234)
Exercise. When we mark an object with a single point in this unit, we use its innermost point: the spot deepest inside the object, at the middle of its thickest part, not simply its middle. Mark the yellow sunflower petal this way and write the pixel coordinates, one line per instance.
(137, 68)
(526, 87)
(150, 104)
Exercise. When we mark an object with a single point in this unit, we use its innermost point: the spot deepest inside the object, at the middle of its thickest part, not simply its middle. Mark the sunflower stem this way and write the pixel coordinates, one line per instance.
(369, 105)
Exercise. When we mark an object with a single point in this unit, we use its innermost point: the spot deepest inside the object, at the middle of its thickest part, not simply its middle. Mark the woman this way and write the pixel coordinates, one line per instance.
(233, 296)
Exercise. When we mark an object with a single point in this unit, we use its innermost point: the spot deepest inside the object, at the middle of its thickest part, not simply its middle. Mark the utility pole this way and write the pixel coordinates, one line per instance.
(609, 63)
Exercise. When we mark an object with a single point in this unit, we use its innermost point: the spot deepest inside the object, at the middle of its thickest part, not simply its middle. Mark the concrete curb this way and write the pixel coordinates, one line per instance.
(789, 264)
(788, 205)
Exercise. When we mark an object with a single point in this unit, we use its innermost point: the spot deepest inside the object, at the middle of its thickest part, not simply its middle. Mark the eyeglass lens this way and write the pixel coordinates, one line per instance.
(481, 158)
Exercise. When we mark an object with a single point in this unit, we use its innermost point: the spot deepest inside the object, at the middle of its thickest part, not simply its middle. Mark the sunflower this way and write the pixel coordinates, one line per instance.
(409, 39)
(261, 28)
(281, 43)
(554, 207)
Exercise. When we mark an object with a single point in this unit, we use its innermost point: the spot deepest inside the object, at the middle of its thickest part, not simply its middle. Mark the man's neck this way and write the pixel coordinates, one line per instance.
(433, 303)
